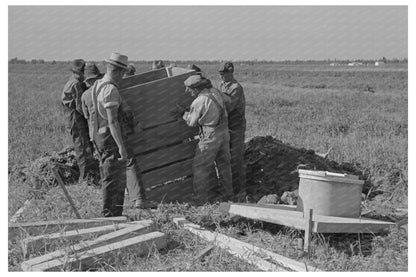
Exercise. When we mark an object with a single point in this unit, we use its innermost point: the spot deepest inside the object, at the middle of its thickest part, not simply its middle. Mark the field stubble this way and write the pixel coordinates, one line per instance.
(360, 113)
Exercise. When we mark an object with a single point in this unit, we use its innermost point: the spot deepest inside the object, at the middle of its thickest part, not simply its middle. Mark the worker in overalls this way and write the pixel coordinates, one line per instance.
(208, 112)
(236, 125)
(76, 123)
(109, 109)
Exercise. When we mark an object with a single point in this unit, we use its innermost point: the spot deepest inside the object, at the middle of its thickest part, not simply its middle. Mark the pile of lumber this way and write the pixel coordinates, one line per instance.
(86, 245)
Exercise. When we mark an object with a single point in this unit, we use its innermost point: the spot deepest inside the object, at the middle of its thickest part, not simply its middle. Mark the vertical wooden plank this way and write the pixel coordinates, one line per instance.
(308, 230)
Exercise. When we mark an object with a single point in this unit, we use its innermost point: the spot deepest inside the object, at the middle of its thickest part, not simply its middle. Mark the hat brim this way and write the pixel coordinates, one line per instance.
(115, 63)
(93, 76)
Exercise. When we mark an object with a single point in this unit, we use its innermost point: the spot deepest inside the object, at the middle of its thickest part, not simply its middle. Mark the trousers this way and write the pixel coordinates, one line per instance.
(135, 185)
(78, 129)
(113, 175)
(237, 159)
(214, 146)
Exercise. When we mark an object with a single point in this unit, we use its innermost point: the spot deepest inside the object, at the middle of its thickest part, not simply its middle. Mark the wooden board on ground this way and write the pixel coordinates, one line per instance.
(297, 219)
(262, 258)
(179, 191)
(140, 244)
(32, 244)
(136, 228)
(42, 227)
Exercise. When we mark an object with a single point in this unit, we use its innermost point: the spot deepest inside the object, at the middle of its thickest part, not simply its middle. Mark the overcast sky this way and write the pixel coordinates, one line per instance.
(208, 32)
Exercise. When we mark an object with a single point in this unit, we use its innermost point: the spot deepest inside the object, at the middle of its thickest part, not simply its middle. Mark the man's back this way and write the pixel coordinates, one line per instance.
(236, 108)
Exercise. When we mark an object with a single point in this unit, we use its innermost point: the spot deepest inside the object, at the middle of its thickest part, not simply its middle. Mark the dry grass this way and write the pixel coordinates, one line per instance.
(361, 113)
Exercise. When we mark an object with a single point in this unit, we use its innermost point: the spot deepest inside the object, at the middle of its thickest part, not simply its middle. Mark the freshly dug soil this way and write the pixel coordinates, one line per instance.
(272, 166)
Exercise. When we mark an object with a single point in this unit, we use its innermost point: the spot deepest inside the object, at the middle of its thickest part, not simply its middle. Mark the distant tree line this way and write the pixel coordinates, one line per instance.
(248, 62)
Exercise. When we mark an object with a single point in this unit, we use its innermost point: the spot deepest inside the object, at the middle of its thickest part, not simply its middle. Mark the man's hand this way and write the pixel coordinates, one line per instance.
(123, 154)
(178, 111)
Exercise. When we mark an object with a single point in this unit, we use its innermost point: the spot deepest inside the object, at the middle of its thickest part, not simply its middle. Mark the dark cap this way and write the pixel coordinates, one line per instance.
(78, 66)
(158, 64)
(194, 81)
(227, 67)
(91, 71)
(194, 67)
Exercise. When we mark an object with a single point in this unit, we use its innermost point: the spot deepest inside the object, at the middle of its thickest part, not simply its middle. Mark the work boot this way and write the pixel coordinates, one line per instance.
(145, 204)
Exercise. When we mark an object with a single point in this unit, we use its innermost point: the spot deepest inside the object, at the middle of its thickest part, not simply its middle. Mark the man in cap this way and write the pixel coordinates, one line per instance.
(92, 74)
(209, 113)
(110, 138)
(131, 70)
(76, 123)
(236, 124)
(158, 64)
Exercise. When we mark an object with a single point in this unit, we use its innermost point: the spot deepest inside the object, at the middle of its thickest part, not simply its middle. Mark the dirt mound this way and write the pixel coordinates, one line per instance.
(272, 166)
(39, 176)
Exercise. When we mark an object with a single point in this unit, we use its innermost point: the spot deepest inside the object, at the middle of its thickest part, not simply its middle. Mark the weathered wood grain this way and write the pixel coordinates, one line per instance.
(32, 244)
(166, 156)
(142, 78)
(180, 191)
(139, 227)
(152, 103)
(168, 173)
(140, 244)
(166, 134)
(262, 258)
(43, 227)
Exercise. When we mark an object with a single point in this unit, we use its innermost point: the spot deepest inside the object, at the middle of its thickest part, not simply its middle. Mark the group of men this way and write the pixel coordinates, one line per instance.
(99, 118)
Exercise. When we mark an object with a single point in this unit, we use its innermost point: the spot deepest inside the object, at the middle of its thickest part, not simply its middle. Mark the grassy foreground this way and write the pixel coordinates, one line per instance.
(360, 112)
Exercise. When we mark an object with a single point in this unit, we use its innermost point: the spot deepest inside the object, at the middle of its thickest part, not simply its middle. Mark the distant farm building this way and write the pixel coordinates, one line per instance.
(378, 63)
(355, 64)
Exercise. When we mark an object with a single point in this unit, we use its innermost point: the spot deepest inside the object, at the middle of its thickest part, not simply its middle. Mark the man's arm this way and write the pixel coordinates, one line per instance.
(115, 130)
(84, 106)
(193, 115)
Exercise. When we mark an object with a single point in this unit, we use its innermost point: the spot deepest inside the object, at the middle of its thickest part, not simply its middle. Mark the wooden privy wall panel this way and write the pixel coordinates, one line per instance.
(143, 78)
(153, 102)
(165, 147)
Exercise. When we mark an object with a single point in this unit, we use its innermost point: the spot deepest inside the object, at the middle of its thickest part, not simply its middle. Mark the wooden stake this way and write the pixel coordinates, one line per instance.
(61, 183)
(308, 231)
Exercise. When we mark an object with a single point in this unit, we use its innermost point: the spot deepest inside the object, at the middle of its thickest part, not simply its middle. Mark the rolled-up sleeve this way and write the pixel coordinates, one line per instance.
(111, 97)
(194, 113)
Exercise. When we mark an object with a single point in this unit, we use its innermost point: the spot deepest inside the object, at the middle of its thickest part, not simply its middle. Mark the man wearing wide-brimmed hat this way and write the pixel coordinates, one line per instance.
(208, 112)
(236, 125)
(76, 123)
(107, 132)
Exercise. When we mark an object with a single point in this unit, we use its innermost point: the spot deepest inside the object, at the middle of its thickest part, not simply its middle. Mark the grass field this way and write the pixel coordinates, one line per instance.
(360, 112)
